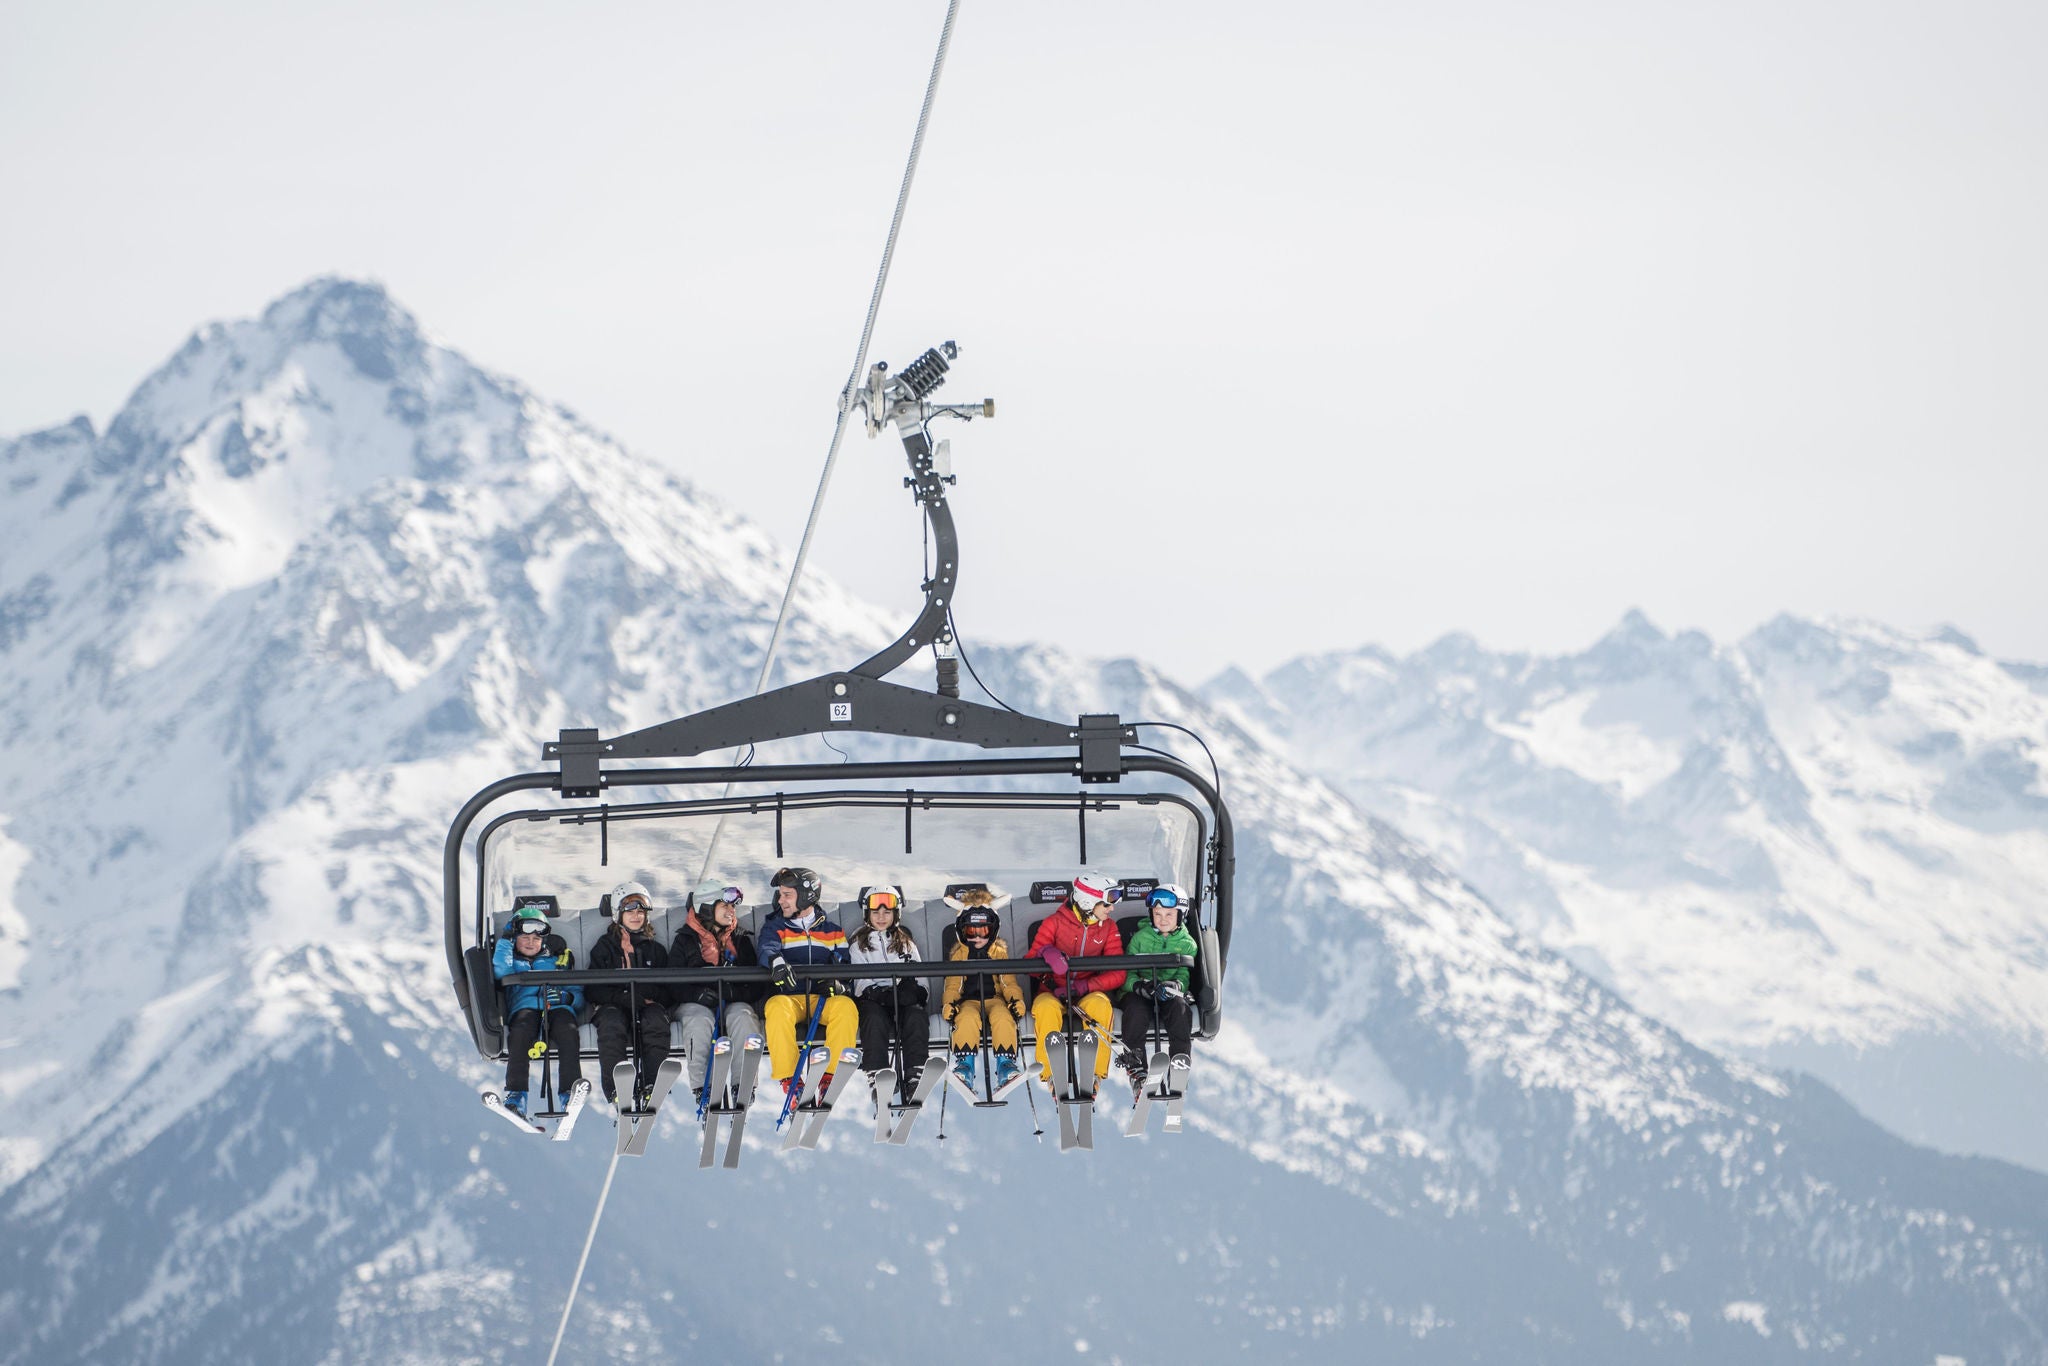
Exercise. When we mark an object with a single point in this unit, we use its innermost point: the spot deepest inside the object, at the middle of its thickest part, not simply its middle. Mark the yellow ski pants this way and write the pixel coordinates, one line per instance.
(1002, 1026)
(1049, 1014)
(786, 1016)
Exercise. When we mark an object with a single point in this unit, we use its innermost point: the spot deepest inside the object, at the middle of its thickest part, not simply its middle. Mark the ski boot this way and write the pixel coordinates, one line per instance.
(963, 1066)
(515, 1101)
(1006, 1068)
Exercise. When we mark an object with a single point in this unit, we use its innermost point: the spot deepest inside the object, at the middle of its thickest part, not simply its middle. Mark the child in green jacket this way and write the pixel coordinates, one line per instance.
(1158, 996)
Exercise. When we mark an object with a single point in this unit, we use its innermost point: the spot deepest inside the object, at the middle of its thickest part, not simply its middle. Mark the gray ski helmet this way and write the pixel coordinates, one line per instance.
(807, 884)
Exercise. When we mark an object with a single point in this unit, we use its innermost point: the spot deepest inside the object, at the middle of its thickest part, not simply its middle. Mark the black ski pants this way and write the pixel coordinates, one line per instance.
(523, 1030)
(898, 1012)
(1143, 1013)
(613, 1038)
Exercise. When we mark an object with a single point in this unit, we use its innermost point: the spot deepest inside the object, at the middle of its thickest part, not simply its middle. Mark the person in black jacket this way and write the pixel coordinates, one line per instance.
(710, 937)
(628, 945)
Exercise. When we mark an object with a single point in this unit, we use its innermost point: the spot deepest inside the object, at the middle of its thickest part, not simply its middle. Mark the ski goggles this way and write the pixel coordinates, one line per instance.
(882, 901)
(1161, 896)
(526, 927)
(731, 896)
(634, 903)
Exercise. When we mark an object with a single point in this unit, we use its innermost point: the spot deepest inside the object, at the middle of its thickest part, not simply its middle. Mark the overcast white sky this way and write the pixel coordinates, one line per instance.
(1309, 326)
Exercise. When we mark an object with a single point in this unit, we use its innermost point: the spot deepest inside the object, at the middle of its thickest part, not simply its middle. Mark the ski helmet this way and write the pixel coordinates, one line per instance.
(1091, 891)
(711, 891)
(882, 897)
(625, 891)
(807, 884)
(976, 918)
(1170, 895)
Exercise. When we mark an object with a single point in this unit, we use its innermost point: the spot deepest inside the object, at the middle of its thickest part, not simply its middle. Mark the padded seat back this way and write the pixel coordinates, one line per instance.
(1127, 926)
(927, 922)
(750, 918)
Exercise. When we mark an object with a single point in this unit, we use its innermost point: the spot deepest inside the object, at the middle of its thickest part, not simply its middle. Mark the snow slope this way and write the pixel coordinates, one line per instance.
(323, 578)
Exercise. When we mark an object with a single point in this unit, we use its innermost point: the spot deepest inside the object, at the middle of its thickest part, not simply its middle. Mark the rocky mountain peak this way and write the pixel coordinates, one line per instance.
(371, 328)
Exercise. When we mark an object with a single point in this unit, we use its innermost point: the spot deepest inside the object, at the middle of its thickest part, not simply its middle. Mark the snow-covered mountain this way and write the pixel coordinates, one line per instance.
(323, 578)
(1825, 846)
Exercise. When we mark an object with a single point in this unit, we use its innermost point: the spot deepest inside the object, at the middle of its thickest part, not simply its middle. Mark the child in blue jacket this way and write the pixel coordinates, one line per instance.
(524, 952)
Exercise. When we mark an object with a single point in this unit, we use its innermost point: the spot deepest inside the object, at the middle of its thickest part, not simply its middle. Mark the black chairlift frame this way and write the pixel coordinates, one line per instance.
(1092, 749)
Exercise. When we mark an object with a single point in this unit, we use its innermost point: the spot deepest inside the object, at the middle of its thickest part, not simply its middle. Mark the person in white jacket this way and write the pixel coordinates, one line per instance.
(890, 1007)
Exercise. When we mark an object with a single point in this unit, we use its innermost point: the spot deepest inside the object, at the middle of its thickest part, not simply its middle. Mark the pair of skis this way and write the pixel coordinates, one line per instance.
(995, 1096)
(579, 1095)
(1173, 1089)
(893, 1120)
(636, 1124)
(1073, 1088)
(735, 1105)
(806, 1117)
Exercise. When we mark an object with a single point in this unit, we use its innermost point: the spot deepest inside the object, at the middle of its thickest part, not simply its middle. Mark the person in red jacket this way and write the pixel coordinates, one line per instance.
(1081, 928)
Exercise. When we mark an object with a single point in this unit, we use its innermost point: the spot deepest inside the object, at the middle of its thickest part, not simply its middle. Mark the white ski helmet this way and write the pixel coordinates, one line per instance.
(1091, 891)
(1173, 897)
(713, 890)
(629, 889)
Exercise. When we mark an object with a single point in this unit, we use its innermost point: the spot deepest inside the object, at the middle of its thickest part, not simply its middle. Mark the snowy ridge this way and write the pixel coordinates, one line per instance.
(324, 578)
(216, 720)
(1825, 842)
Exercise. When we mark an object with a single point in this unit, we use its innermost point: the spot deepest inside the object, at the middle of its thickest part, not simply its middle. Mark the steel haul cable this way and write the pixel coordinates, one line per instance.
(853, 378)
(803, 549)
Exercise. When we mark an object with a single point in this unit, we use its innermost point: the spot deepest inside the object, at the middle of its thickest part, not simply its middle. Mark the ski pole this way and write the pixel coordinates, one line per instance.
(717, 1021)
(802, 1056)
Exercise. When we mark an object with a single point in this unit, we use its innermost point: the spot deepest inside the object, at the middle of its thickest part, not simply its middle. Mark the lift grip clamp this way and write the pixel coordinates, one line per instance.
(580, 752)
(1103, 736)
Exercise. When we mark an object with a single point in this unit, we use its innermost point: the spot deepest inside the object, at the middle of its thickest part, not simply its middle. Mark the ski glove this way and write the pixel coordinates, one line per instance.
(785, 980)
(1055, 960)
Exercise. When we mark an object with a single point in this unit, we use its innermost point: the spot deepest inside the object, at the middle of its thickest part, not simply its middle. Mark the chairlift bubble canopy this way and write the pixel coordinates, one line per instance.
(1065, 795)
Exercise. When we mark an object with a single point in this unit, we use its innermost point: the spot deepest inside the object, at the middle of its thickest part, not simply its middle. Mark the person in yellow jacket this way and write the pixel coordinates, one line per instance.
(981, 1007)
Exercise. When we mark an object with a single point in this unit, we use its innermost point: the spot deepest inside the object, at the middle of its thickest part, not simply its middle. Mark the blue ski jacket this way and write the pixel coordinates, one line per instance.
(530, 995)
(819, 942)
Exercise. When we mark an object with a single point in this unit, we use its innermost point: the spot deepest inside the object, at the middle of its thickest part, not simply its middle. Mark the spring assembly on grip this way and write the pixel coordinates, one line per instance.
(922, 375)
